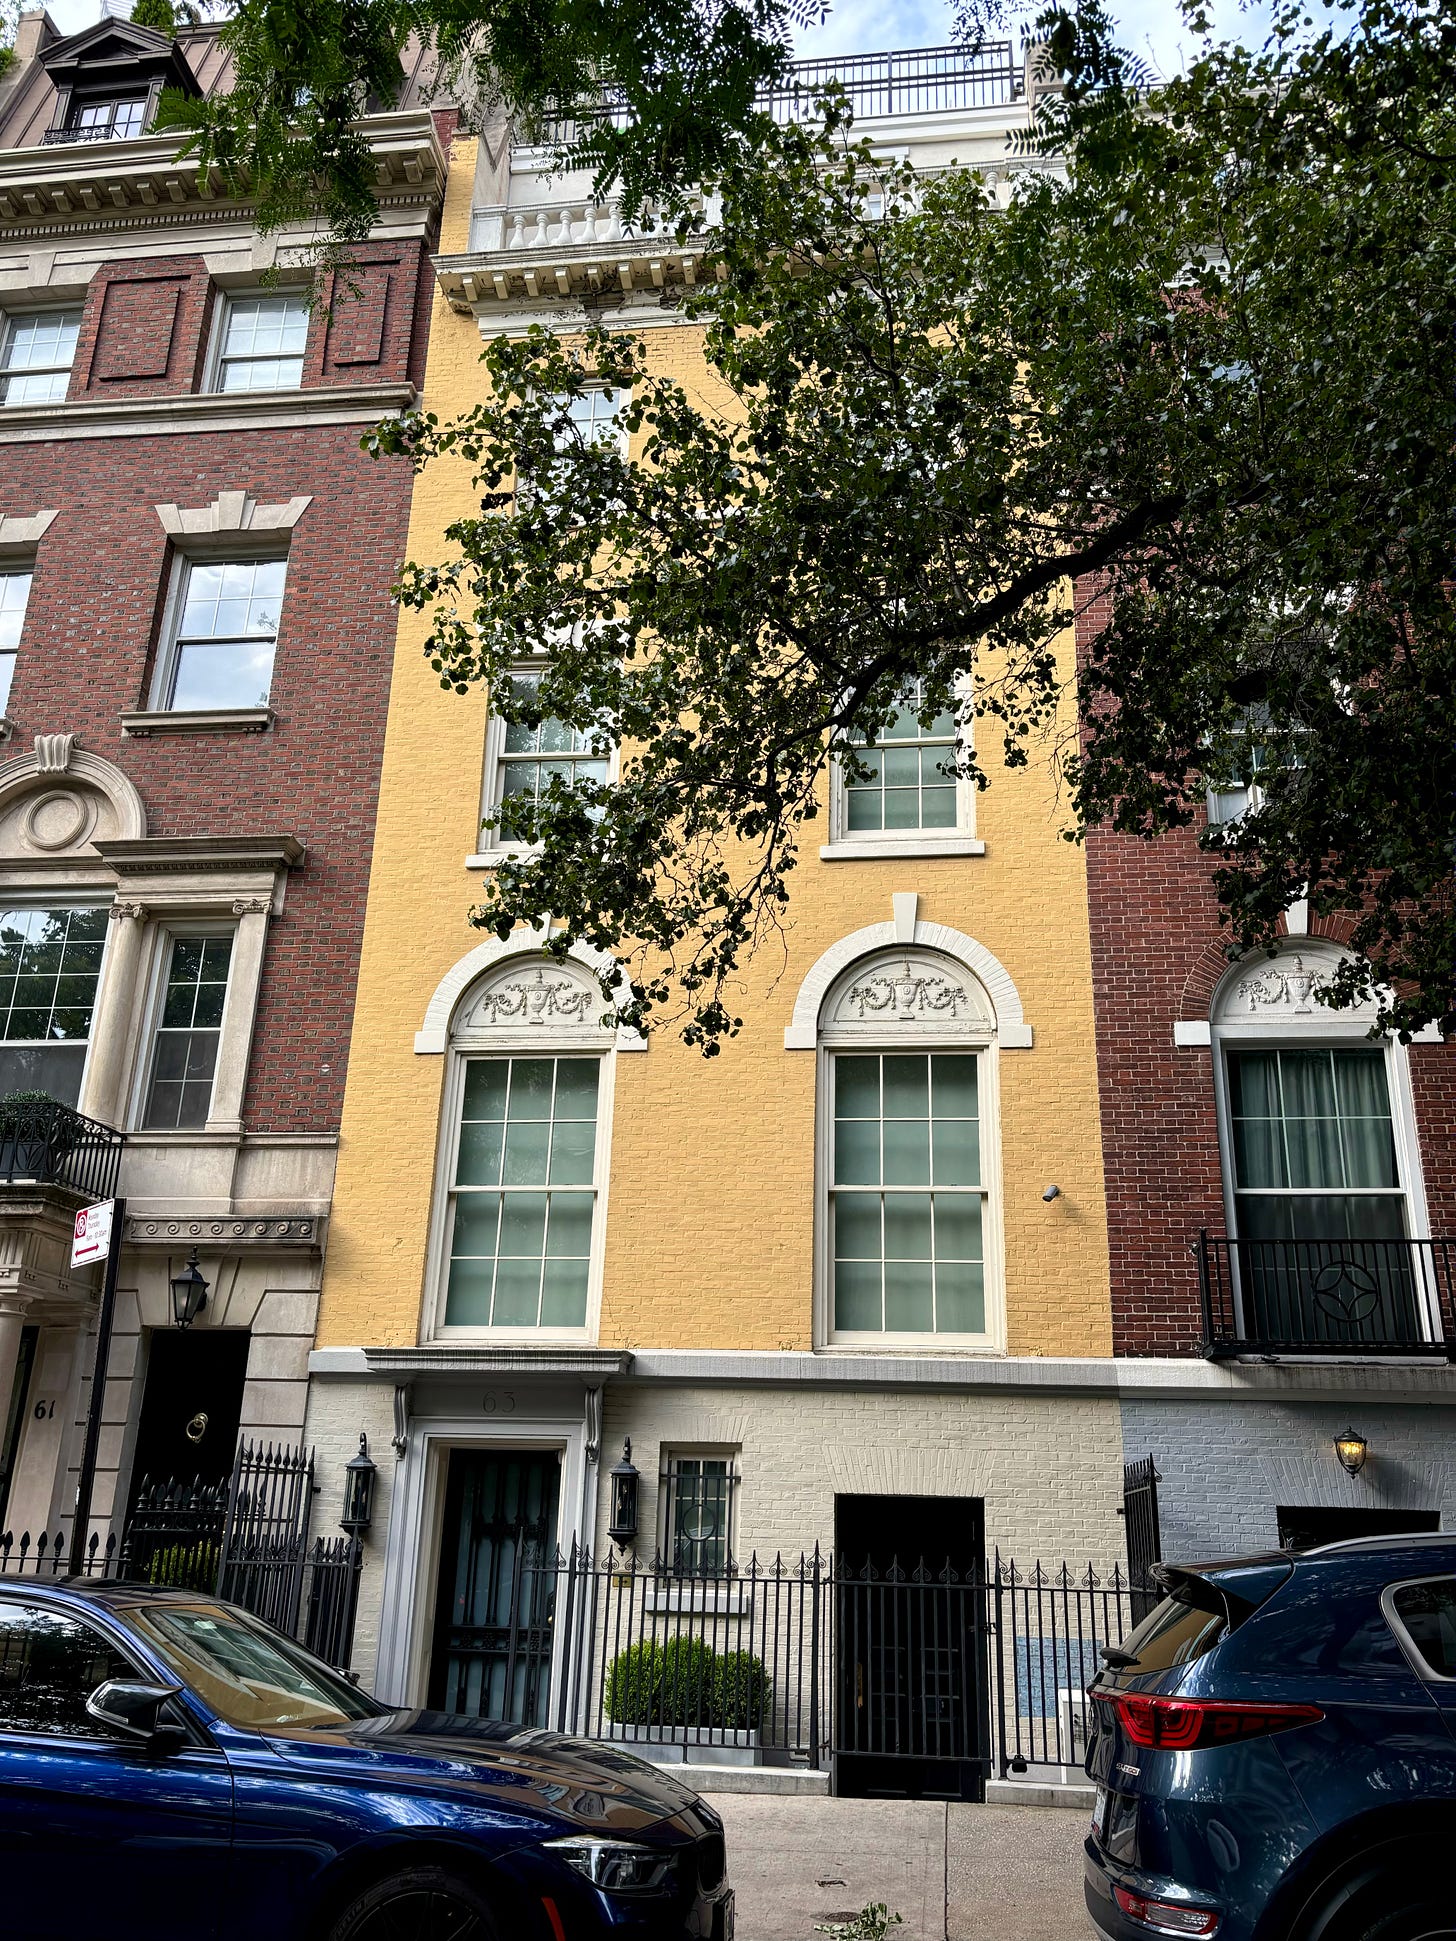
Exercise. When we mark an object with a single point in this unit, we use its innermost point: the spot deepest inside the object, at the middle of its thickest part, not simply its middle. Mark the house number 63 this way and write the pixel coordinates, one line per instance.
(498, 1401)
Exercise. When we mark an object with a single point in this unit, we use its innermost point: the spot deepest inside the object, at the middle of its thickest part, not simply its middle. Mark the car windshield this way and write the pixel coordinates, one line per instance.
(246, 1673)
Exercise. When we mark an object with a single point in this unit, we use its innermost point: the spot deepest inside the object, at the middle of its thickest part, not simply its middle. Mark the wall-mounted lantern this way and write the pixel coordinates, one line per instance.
(359, 1473)
(622, 1524)
(189, 1293)
(1352, 1450)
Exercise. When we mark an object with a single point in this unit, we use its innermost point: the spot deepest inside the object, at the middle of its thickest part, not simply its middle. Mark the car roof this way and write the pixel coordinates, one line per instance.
(108, 1591)
(1373, 1546)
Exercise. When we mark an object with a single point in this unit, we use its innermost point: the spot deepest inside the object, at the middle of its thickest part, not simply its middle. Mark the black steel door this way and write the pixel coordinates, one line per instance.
(496, 1593)
(910, 1717)
(191, 1406)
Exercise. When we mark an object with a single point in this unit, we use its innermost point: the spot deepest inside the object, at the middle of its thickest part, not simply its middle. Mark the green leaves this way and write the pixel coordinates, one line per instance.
(683, 82)
(1205, 372)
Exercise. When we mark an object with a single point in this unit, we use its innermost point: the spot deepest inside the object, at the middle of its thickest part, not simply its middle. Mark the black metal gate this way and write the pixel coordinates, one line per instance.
(265, 1539)
(1144, 1542)
(911, 1716)
(496, 1596)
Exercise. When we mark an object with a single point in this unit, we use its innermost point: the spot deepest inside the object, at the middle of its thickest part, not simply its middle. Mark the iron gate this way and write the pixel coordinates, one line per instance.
(911, 1713)
(1144, 1541)
(496, 1599)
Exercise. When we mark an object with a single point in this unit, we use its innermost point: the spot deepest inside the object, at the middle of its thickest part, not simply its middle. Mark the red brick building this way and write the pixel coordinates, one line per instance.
(1273, 1181)
(195, 642)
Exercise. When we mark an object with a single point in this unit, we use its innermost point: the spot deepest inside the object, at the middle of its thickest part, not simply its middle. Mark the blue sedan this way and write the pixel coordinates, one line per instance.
(174, 1769)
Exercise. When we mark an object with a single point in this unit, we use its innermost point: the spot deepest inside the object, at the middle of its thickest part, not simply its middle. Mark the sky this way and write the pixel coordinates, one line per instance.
(875, 26)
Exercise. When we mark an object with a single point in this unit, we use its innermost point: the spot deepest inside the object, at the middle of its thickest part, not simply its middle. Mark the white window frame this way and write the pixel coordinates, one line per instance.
(491, 846)
(13, 569)
(1324, 1029)
(168, 641)
(980, 1043)
(8, 322)
(463, 1047)
(168, 932)
(862, 844)
(62, 898)
(216, 351)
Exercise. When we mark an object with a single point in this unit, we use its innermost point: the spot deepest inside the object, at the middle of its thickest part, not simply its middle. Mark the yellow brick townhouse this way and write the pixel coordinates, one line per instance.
(756, 1358)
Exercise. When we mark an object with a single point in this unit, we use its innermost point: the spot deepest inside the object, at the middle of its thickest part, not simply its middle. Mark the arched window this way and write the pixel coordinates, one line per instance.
(524, 1147)
(909, 1218)
(1321, 1171)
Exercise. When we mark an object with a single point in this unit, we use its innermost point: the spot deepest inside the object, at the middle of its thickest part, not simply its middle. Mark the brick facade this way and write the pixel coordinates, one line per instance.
(1158, 952)
(101, 578)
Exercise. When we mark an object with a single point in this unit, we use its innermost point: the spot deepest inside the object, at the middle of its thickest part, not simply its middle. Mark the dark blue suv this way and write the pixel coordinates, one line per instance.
(1275, 1751)
(171, 1769)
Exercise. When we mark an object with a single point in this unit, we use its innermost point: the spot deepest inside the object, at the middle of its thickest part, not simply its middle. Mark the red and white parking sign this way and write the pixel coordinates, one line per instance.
(92, 1237)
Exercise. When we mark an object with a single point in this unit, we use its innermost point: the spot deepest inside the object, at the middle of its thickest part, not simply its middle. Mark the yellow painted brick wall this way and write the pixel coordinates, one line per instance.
(711, 1194)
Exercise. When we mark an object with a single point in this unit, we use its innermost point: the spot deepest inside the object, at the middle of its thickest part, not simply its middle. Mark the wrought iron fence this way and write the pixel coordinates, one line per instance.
(912, 81)
(43, 1143)
(246, 1540)
(810, 1660)
(1327, 1297)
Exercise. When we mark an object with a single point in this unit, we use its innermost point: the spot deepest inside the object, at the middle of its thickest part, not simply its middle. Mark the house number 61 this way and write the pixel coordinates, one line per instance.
(498, 1401)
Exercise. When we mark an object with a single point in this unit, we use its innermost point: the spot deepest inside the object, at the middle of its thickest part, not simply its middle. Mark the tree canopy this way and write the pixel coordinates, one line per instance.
(1201, 366)
(682, 81)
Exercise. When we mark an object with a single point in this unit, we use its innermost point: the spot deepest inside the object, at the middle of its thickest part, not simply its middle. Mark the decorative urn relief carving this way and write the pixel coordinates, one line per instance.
(1284, 985)
(537, 995)
(910, 990)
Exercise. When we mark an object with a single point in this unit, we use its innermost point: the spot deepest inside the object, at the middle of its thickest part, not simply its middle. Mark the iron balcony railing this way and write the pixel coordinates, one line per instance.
(911, 81)
(1327, 1297)
(46, 1144)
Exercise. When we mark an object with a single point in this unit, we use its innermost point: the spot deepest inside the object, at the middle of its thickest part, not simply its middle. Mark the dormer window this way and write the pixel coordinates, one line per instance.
(106, 121)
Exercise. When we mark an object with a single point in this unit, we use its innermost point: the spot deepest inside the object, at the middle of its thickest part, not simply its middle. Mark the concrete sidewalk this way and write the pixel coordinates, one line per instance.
(956, 1873)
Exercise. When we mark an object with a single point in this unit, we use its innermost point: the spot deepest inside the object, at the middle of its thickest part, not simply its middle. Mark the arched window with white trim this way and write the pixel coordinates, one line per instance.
(909, 1210)
(1321, 1168)
(525, 1138)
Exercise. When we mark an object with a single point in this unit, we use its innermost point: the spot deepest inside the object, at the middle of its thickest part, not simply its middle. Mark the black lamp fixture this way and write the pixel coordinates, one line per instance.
(1352, 1449)
(189, 1293)
(359, 1474)
(622, 1524)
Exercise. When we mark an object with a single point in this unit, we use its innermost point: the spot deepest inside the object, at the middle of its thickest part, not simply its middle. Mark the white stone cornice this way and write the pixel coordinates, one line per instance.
(334, 404)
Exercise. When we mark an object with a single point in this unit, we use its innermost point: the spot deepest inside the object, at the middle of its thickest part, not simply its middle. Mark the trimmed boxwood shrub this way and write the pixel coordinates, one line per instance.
(683, 1682)
(185, 1566)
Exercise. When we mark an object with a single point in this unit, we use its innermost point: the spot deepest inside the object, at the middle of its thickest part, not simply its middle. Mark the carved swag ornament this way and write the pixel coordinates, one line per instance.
(906, 996)
(537, 1000)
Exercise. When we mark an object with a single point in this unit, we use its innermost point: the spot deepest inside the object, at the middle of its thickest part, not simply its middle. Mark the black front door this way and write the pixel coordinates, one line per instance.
(1308, 1528)
(497, 1589)
(191, 1406)
(910, 1712)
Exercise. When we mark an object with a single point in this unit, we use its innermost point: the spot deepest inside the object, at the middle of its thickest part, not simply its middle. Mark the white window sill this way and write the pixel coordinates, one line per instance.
(716, 1598)
(493, 858)
(198, 721)
(967, 1347)
(859, 848)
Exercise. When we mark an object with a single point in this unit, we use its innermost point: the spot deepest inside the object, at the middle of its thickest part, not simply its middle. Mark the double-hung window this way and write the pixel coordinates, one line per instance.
(907, 1194)
(14, 598)
(189, 1027)
(219, 647)
(596, 416)
(50, 966)
(524, 1194)
(35, 360)
(910, 781)
(261, 342)
(525, 762)
(1314, 1145)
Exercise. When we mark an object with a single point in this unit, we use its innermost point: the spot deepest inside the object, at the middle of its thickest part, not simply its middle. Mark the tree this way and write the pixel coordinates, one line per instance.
(1207, 371)
(683, 81)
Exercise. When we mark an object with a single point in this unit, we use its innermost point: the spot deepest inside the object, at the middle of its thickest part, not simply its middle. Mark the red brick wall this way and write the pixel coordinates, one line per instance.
(146, 325)
(100, 578)
(1157, 953)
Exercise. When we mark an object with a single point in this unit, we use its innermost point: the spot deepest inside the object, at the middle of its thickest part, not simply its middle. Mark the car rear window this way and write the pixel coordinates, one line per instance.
(1427, 1615)
(1174, 1632)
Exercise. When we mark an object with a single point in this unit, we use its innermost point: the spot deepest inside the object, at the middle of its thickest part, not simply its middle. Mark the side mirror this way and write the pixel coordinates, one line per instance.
(134, 1711)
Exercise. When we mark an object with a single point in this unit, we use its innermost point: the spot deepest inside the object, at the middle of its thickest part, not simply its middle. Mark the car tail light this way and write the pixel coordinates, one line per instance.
(1194, 1724)
(1166, 1917)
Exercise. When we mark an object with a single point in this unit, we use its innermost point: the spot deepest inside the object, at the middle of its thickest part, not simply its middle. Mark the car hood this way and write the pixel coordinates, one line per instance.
(518, 1767)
